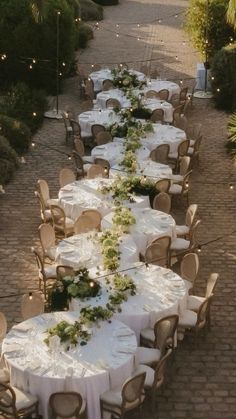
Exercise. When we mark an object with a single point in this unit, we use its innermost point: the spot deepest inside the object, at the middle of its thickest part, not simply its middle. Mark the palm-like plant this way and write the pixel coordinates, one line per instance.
(231, 143)
(231, 13)
(38, 9)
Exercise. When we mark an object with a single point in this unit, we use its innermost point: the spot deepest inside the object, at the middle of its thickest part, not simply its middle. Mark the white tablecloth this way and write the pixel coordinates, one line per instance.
(89, 118)
(118, 94)
(153, 104)
(89, 370)
(158, 85)
(99, 76)
(150, 224)
(149, 168)
(84, 250)
(86, 194)
(114, 152)
(160, 292)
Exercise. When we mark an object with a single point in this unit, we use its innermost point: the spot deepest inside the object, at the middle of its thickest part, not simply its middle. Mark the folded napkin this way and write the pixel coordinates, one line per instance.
(14, 347)
(123, 332)
(128, 349)
(22, 327)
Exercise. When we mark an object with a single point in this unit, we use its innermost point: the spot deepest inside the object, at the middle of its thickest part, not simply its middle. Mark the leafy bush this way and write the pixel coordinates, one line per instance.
(22, 37)
(218, 31)
(106, 2)
(8, 161)
(90, 10)
(24, 104)
(16, 132)
(224, 81)
(83, 34)
(231, 143)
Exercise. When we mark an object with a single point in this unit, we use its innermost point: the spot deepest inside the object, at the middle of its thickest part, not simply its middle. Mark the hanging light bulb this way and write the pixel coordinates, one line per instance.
(30, 296)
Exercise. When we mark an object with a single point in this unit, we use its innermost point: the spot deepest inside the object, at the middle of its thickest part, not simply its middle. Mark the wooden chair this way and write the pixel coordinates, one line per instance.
(67, 125)
(79, 148)
(47, 274)
(160, 153)
(174, 100)
(163, 185)
(103, 163)
(157, 253)
(177, 114)
(157, 116)
(124, 399)
(96, 171)
(113, 103)
(107, 85)
(76, 129)
(183, 169)
(3, 328)
(66, 405)
(63, 226)
(84, 224)
(181, 189)
(96, 128)
(163, 94)
(183, 230)
(96, 216)
(183, 95)
(48, 241)
(182, 151)
(193, 152)
(43, 190)
(89, 89)
(162, 202)
(45, 213)
(16, 403)
(194, 301)
(32, 305)
(66, 176)
(189, 268)
(103, 137)
(152, 94)
(63, 270)
(181, 123)
(181, 246)
(81, 167)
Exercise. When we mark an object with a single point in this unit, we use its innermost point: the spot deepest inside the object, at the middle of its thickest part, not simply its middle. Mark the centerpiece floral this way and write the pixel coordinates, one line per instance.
(123, 218)
(129, 162)
(90, 315)
(110, 249)
(70, 334)
(124, 79)
(125, 188)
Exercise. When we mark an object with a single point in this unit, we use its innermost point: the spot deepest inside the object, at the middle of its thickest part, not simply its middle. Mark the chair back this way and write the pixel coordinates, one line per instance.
(174, 100)
(32, 305)
(76, 129)
(197, 144)
(164, 332)
(8, 401)
(43, 190)
(154, 73)
(211, 284)
(65, 120)
(66, 176)
(62, 271)
(185, 184)
(39, 261)
(89, 88)
(79, 164)
(132, 390)
(103, 137)
(107, 85)
(96, 128)
(58, 218)
(193, 233)
(95, 215)
(181, 122)
(163, 94)
(158, 251)
(177, 113)
(183, 94)
(103, 163)
(203, 313)
(183, 148)
(157, 115)
(65, 405)
(3, 325)
(87, 105)
(184, 165)
(160, 153)
(190, 214)
(79, 146)
(152, 94)
(113, 103)
(42, 206)
(162, 202)
(163, 185)
(159, 375)
(47, 237)
(95, 170)
(189, 267)
(84, 223)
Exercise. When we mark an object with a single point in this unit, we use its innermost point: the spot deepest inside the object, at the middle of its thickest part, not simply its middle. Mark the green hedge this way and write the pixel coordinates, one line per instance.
(219, 32)
(16, 132)
(224, 78)
(84, 33)
(25, 104)
(90, 10)
(8, 161)
(107, 2)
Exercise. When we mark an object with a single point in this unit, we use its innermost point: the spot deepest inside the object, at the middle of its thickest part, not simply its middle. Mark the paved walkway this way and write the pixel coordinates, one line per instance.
(200, 382)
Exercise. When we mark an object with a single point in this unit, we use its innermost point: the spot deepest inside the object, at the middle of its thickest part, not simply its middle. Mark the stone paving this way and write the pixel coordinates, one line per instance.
(201, 382)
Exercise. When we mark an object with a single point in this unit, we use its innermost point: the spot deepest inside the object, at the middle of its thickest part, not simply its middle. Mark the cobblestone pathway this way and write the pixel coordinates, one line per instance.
(201, 382)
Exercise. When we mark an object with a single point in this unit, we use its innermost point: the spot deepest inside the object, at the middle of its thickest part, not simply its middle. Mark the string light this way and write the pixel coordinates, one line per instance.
(34, 114)
(231, 186)
(30, 296)
(33, 144)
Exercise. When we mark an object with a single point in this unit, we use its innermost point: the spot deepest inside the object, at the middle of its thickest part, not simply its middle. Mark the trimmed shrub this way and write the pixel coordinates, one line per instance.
(218, 31)
(8, 161)
(22, 37)
(84, 33)
(16, 132)
(90, 10)
(224, 81)
(107, 2)
(25, 104)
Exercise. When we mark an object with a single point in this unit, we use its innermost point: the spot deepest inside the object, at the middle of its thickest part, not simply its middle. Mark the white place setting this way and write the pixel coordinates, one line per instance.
(99, 76)
(102, 98)
(152, 104)
(96, 116)
(114, 152)
(148, 168)
(104, 362)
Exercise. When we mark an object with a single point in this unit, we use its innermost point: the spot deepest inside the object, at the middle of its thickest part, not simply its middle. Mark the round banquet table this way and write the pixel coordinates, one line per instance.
(150, 225)
(163, 134)
(114, 152)
(153, 104)
(158, 85)
(118, 94)
(96, 116)
(149, 168)
(99, 76)
(105, 362)
(160, 292)
(84, 194)
(84, 250)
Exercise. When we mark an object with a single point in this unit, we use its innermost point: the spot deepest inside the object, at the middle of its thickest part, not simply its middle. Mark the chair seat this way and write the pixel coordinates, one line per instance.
(188, 284)
(69, 129)
(50, 271)
(177, 178)
(147, 356)
(84, 134)
(182, 230)
(190, 151)
(52, 201)
(175, 189)
(23, 400)
(51, 252)
(149, 374)
(46, 215)
(148, 334)
(194, 302)
(69, 222)
(179, 244)
(187, 319)
(4, 375)
(173, 156)
(191, 143)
